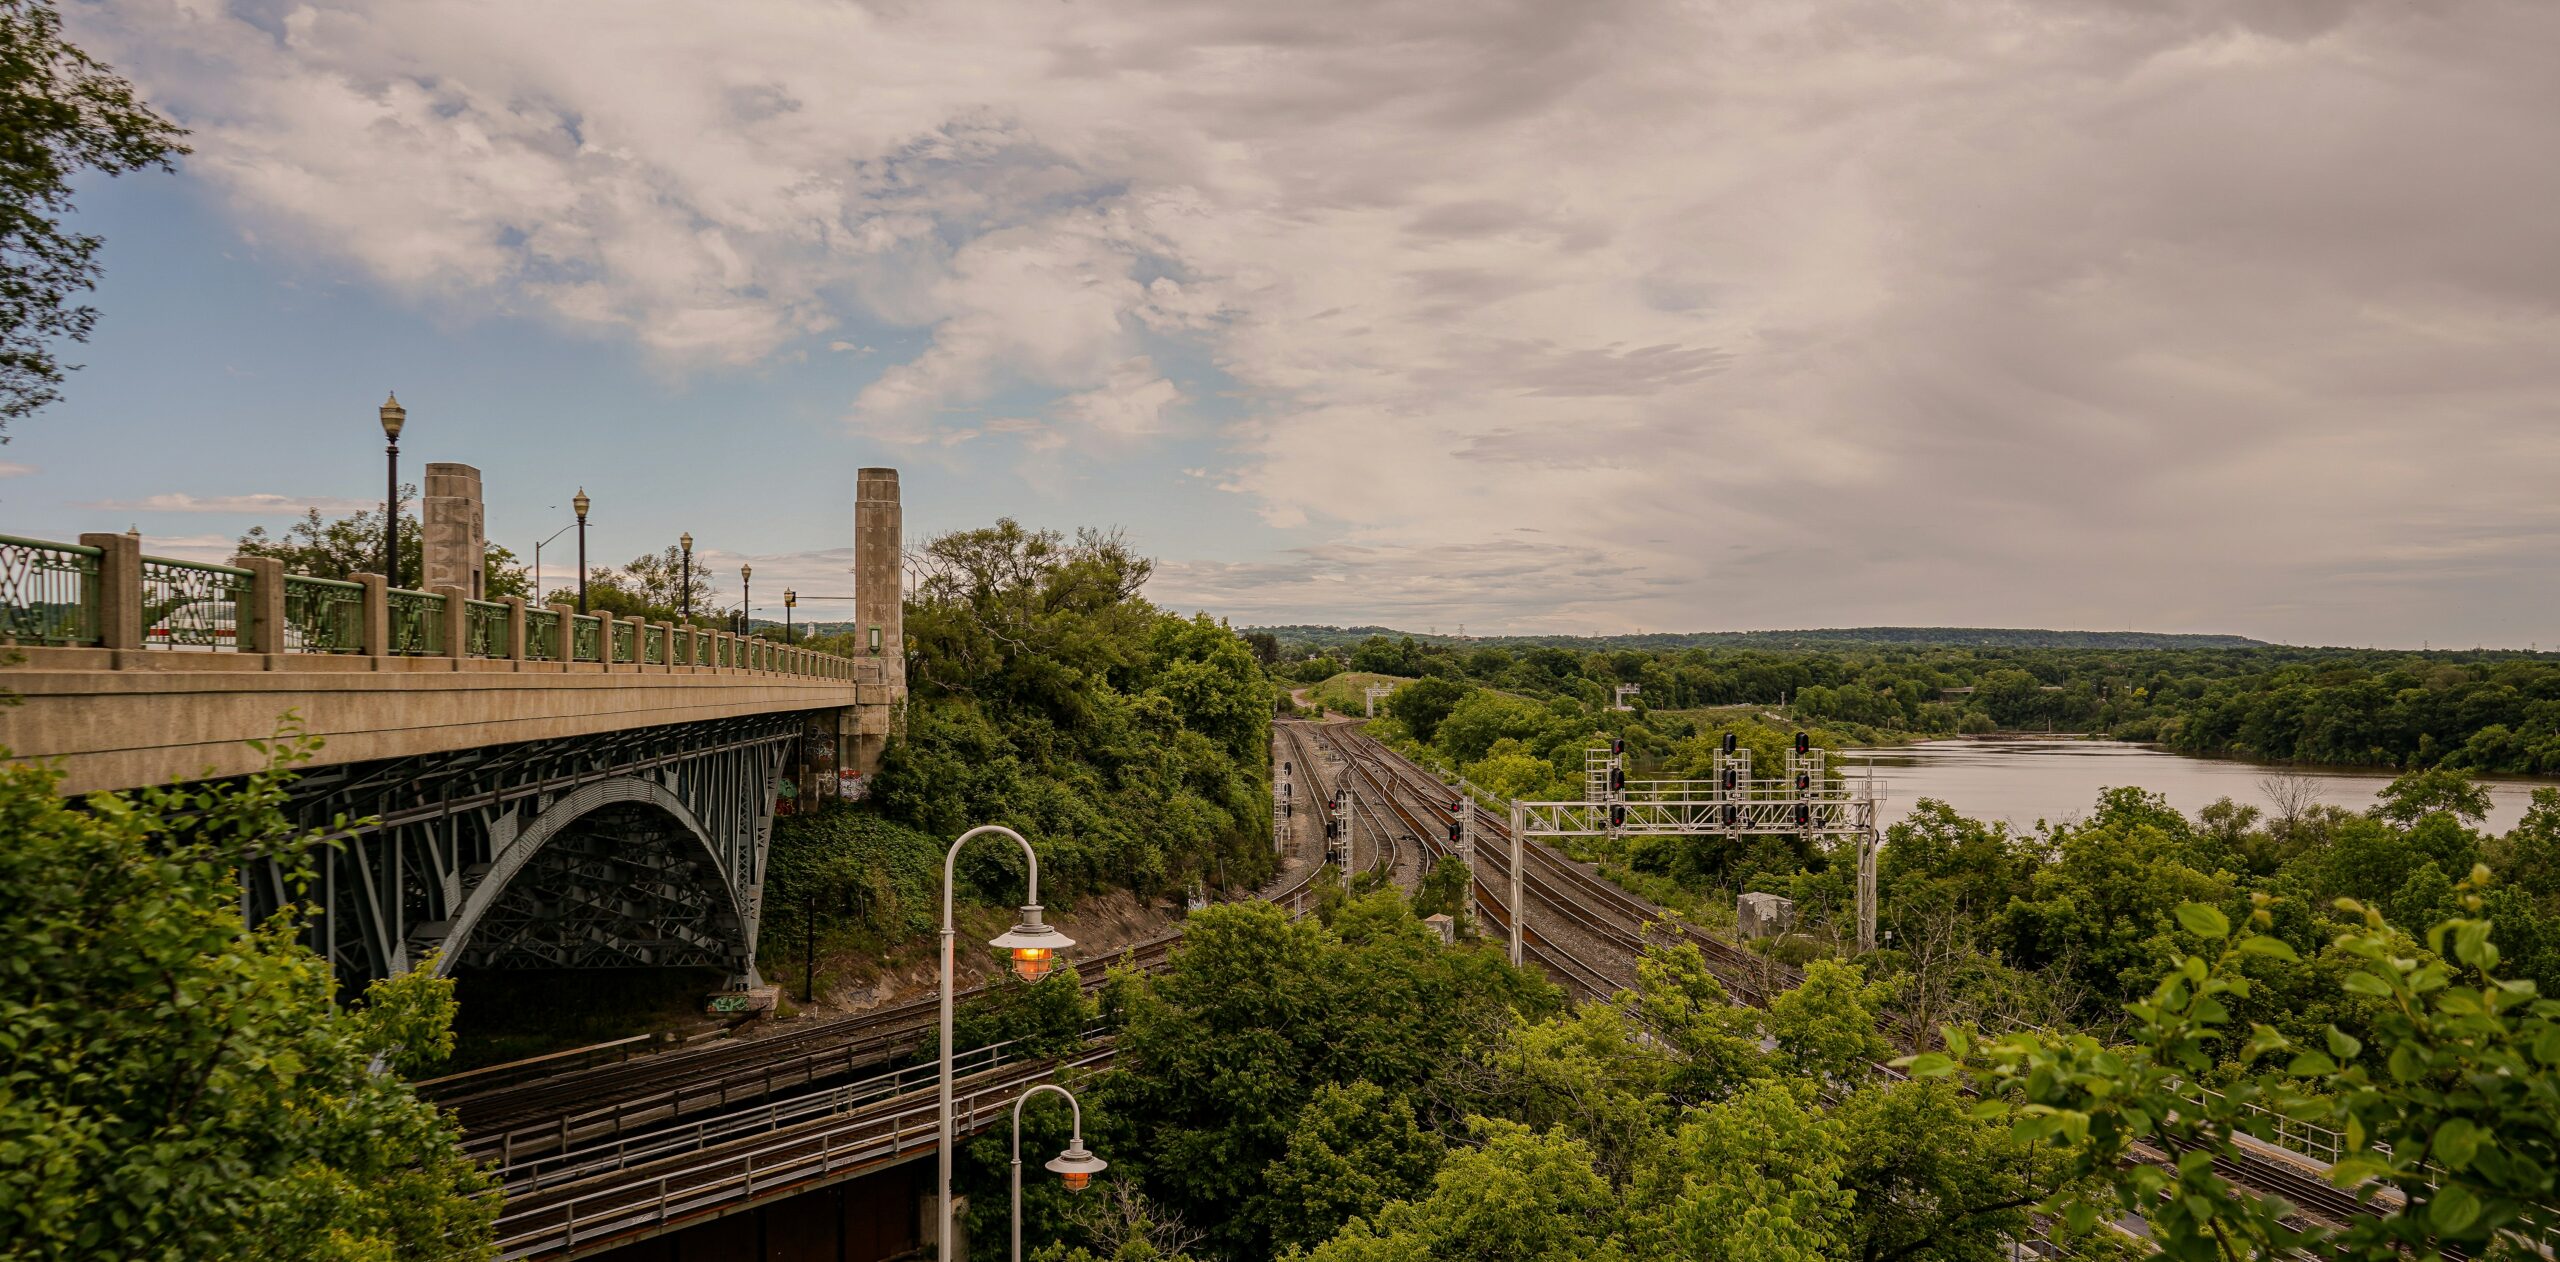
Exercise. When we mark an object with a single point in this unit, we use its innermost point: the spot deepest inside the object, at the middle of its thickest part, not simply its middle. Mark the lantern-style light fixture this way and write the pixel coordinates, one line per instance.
(393, 417)
(1077, 1165)
(1033, 943)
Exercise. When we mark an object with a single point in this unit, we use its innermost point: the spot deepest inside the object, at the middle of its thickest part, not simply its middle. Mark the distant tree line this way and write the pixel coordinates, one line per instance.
(2478, 711)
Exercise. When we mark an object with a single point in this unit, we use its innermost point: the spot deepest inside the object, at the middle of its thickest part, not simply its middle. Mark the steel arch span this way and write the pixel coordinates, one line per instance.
(637, 848)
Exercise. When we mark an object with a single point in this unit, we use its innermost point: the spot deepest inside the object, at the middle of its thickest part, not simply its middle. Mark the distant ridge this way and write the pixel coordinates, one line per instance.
(1826, 637)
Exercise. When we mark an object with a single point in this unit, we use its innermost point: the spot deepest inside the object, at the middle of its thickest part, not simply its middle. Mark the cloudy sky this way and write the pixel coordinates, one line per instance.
(2222, 315)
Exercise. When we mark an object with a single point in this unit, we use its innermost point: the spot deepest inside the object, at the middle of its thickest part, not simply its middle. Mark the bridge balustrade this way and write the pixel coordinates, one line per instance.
(103, 593)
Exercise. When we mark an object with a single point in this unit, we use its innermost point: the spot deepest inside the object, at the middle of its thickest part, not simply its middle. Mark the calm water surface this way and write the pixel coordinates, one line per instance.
(2027, 780)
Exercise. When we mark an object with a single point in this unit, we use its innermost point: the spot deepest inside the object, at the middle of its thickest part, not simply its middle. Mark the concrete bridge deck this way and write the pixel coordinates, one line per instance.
(120, 718)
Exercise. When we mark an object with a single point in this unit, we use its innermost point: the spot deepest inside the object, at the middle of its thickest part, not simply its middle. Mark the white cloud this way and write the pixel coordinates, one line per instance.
(260, 504)
(2234, 316)
(13, 469)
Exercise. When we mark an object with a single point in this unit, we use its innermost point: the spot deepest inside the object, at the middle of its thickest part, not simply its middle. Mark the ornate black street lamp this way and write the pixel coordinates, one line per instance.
(393, 417)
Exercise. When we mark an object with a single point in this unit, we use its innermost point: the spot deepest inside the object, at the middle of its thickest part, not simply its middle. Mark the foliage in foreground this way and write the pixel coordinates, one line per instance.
(174, 1087)
(2450, 1097)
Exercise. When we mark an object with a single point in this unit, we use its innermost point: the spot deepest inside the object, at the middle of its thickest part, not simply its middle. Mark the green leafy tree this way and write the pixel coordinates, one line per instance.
(1754, 1179)
(174, 1086)
(2418, 794)
(1354, 1149)
(1826, 1025)
(1520, 1197)
(62, 112)
(1443, 891)
(1219, 1053)
(1422, 704)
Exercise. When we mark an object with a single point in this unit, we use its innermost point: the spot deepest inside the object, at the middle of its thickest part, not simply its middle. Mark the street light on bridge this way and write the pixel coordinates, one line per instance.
(393, 417)
(580, 504)
(790, 599)
(684, 594)
(746, 600)
(1033, 945)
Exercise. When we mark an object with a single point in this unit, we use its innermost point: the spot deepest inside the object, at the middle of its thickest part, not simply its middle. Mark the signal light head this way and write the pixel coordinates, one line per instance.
(1803, 742)
(1728, 742)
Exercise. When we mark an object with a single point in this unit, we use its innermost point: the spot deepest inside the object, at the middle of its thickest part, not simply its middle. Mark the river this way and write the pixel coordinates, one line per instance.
(2022, 781)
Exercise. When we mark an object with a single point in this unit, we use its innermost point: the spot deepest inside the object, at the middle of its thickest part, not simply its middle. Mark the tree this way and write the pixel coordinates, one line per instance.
(1754, 1179)
(1422, 704)
(1826, 1026)
(2418, 794)
(178, 1087)
(1521, 1197)
(353, 544)
(62, 112)
(1354, 1149)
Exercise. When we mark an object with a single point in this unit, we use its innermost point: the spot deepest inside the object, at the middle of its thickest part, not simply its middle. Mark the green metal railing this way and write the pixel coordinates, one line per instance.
(417, 622)
(48, 592)
(653, 645)
(484, 629)
(585, 639)
(191, 605)
(626, 641)
(323, 615)
(541, 635)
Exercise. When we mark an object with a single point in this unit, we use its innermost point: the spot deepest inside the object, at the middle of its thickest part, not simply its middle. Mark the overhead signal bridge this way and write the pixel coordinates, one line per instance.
(1732, 803)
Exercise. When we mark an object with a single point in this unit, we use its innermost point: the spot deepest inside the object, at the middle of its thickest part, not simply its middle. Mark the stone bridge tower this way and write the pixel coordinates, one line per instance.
(456, 545)
(879, 593)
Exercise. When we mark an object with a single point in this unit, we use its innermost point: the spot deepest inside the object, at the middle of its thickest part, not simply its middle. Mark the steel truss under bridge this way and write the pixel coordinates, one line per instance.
(1731, 803)
(643, 847)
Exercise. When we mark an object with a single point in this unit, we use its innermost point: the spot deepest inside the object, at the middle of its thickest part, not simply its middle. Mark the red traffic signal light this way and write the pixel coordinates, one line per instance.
(1617, 816)
(1803, 743)
(1617, 747)
(1804, 781)
(1617, 779)
(1728, 779)
(1804, 813)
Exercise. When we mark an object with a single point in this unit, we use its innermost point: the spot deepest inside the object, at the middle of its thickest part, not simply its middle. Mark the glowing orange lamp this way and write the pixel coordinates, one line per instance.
(1033, 944)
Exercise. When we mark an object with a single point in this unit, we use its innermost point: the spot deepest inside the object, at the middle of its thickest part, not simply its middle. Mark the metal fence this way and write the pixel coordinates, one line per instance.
(323, 615)
(48, 592)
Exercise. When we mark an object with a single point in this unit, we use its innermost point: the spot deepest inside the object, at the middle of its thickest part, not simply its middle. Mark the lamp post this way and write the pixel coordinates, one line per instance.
(393, 417)
(684, 594)
(580, 504)
(1034, 946)
(1076, 1165)
(790, 599)
(746, 600)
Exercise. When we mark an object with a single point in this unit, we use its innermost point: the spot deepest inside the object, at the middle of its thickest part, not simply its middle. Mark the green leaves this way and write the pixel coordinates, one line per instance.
(173, 1084)
(2203, 921)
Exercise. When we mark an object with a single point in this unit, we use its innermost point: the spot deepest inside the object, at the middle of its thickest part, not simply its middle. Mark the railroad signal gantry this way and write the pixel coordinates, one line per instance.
(1732, 803)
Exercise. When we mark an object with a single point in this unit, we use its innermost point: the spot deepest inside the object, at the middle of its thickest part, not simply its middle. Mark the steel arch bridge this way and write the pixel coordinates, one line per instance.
(638, 848)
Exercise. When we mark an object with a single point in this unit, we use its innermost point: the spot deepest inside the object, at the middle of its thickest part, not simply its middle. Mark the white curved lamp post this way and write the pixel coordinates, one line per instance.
(1076, 1165)
(1034, 946)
